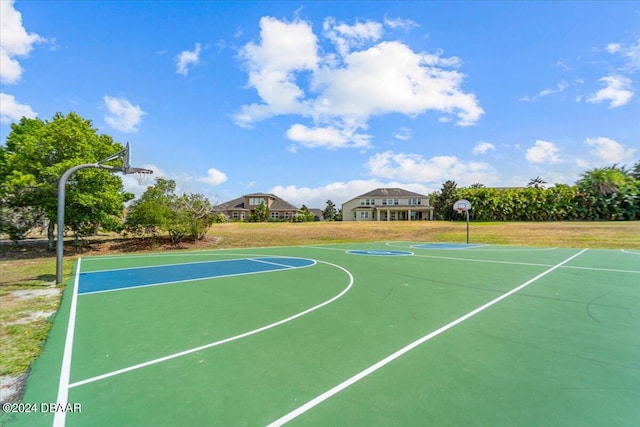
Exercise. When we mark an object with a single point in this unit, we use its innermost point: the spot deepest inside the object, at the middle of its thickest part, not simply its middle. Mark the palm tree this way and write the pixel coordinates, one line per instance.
(536, 182)
(604, 181)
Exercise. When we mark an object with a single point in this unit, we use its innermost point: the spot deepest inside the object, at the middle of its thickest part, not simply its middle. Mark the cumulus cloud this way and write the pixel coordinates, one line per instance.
(15, 42)
(606, 150)
(482, 147)
(543, 152)
(214, 177)
(617, 91)
(416, 168)
(12, 111)
(365, 77)
(346, 37)
(328, 137)
(187, 58)
(122, 115)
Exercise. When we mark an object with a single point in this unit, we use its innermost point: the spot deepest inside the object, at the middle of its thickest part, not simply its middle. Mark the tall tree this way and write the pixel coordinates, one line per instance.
(445, 199)
(330, 213)
(36, 155)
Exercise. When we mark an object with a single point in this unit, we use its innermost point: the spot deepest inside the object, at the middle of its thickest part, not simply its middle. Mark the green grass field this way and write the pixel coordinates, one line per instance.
(486, 335)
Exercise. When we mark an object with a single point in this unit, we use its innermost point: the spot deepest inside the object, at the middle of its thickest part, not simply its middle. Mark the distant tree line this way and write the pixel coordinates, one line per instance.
(608, 193)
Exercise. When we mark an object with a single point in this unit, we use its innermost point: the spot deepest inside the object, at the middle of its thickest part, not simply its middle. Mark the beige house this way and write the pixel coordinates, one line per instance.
(239, 209)
(388, 204)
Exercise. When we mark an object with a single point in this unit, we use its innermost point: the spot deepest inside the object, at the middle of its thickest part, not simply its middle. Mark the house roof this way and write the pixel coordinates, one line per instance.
(278, 204)
(390, 192)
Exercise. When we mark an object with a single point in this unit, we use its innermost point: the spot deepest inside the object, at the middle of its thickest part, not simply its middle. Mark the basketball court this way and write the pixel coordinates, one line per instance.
(387, 333)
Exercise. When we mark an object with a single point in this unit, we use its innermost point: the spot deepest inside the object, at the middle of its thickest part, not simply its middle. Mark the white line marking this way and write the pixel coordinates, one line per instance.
(59, 418)
(338, 388)
(224, 341)
(271, 262)
(630, 252)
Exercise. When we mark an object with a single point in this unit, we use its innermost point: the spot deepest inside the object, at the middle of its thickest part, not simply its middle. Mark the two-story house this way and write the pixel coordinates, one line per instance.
(239, 209)
(388, 204)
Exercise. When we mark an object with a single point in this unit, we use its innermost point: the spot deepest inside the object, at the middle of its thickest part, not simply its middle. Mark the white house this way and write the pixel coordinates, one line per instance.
(388, 204)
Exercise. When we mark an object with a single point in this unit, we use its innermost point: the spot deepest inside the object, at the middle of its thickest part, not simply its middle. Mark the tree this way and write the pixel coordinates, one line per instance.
(153, 211)
(536, 182)
(445, 199)
(330, 213)
(36, 155)
(188, 216)
(260, 213)
(604, 181)
(305, 215)
(635, 171)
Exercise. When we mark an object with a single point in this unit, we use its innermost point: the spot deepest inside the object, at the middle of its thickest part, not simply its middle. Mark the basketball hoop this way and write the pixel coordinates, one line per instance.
(463, 206)
(141, 175)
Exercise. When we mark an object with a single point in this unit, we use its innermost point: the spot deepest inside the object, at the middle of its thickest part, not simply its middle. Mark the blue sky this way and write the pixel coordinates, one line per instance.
(328, 100)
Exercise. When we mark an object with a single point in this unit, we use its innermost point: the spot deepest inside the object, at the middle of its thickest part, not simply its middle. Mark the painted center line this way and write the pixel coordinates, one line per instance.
(371, 369)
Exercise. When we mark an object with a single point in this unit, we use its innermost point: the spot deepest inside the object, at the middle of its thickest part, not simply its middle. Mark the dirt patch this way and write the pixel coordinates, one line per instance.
(12, 387)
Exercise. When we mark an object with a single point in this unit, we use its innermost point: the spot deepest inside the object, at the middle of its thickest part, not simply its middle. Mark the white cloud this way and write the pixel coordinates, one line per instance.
(405, 24)
(609, 151)
(187, 58)
(343, 92)
(403, 134)
(630, 54)
(559, 88)
(415, 168)
(617, 91)
(483, 147)
(284, 49)
(543, 152)
(328, 137)
(122, 115)
(392, 78)
(214, 177)
(15, 42)
(345, 37)
(12, 111)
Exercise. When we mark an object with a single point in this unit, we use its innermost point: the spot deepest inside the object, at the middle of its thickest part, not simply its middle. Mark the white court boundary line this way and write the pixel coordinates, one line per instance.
(224, 341)
(59, 418)
(630, 252)
(371, 369)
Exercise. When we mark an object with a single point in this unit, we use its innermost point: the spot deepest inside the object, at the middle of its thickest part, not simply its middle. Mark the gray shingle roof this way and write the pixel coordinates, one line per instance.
(390, 192)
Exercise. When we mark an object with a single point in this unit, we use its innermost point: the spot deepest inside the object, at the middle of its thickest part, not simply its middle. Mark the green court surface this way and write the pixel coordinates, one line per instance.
(377, 334)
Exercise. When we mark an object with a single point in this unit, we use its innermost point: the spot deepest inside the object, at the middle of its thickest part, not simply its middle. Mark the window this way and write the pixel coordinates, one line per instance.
(234, 215)
(255, 201)
(415, 201)
(364, 215)
(275, 215)
(287, 215)
(367, 202)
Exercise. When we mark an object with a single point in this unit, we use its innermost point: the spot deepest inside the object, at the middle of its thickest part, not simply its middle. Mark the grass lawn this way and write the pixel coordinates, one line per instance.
(30, 298)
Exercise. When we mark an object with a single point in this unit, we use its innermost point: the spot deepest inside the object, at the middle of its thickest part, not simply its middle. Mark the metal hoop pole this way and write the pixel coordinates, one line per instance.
(60, 220)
